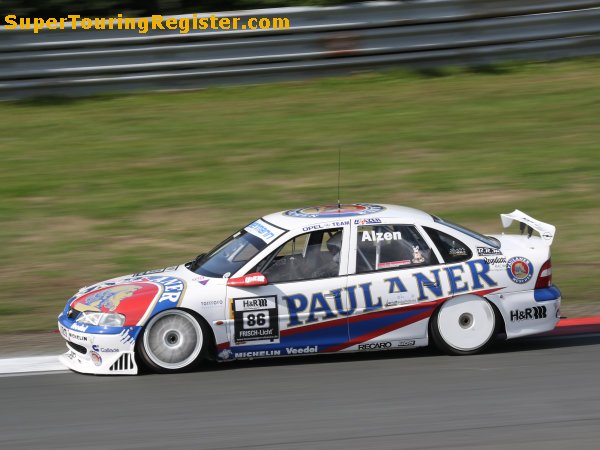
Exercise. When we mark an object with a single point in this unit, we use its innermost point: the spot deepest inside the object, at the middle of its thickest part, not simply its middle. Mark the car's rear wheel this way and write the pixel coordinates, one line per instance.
(173, 341)
(463, 325)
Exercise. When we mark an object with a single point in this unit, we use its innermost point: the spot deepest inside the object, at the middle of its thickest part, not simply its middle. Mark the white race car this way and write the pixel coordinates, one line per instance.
(336, 278)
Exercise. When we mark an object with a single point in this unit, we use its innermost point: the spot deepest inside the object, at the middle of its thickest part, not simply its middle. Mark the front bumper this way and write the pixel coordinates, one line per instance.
(99, 350)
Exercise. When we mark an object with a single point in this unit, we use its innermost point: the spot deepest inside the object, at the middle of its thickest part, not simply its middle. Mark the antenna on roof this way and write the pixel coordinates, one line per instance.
(339, 170)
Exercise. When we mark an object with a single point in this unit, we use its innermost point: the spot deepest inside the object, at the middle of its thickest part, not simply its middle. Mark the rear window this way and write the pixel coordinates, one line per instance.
(492, 242)
(451, 249)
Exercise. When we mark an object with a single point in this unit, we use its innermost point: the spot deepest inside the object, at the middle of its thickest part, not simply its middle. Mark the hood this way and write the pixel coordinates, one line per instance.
(136, 296)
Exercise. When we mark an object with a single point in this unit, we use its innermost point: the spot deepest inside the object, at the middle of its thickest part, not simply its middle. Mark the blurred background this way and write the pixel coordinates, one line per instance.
(463, 110)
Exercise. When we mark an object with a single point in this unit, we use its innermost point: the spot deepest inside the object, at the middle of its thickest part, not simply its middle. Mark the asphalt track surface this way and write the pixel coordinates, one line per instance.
(541, 393)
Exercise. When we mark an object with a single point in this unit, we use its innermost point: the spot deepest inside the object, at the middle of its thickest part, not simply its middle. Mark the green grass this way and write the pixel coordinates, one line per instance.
(93, 188)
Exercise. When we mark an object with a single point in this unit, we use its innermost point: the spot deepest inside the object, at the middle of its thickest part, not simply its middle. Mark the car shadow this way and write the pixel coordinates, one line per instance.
(546, 342)
(498, 347)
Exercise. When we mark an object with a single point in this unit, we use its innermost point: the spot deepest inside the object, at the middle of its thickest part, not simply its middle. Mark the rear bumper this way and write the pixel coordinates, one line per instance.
(529, 312)
(546, 294)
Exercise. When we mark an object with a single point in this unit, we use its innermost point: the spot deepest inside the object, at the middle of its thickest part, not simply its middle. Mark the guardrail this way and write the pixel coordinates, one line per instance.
(320, 41)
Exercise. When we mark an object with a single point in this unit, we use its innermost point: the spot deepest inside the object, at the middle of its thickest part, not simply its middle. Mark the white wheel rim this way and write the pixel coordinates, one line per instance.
(466, 323)
(173, 339)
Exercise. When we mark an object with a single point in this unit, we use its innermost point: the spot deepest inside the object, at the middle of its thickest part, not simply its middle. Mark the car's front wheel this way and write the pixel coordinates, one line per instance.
(463, 325)
(173, 341)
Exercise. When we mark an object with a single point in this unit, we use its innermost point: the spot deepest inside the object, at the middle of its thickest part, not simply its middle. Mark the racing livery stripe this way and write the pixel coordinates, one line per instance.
(380, 331)
(315, 326)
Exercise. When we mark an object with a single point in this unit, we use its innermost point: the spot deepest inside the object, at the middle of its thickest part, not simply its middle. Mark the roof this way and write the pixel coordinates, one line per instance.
(301, 217)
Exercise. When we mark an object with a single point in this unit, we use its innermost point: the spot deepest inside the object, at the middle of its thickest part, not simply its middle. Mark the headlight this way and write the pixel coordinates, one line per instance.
(101, 319)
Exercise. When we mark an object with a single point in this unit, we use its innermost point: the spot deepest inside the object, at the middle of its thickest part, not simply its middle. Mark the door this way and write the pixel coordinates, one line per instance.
(303, 308)
(389, 259)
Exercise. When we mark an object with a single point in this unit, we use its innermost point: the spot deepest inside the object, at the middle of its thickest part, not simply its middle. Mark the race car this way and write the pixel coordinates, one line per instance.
(325, 279)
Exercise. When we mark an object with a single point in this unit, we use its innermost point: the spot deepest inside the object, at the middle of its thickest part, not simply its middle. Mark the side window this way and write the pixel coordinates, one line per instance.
(304, 257)
(452, 249)
(381, 247)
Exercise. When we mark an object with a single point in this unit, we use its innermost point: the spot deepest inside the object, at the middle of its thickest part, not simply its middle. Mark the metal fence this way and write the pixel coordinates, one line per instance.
(321, 41)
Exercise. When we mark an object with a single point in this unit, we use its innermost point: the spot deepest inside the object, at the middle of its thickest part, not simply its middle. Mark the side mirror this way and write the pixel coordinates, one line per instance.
(252, 279)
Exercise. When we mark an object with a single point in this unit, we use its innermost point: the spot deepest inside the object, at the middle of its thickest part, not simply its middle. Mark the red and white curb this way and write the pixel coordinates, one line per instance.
(42, 364)
(582, 325)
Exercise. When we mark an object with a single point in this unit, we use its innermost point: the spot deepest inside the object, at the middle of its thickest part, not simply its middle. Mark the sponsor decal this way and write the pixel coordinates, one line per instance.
(77, 337)
(78, 327)
(97, 348)
(332, 211)
(248, 279)
(323, 226)
(263, 230)
(400, 302)
(302, 351)
(488, 251)
(255, 318)
(533, 313)
(375, 346)
(519, 269)
(546, 236)
(96, 358)
(496, 262)
(201, 279)
(155, 271)
(63, 331)
(406, 343)
(426, 285)
(257, 354)
(225, 354)
(389, 264)
(377, 236)
(366, 221)
(210, 303)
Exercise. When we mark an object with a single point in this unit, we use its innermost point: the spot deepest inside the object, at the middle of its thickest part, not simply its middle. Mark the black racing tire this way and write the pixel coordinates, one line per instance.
(173, 341)
(464, 325)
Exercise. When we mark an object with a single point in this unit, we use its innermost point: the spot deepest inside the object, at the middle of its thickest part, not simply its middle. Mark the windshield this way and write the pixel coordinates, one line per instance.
(230, 255)
(492, 242)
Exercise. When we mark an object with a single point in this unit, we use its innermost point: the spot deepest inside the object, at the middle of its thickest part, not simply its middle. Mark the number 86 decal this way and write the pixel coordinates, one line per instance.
(256, 319)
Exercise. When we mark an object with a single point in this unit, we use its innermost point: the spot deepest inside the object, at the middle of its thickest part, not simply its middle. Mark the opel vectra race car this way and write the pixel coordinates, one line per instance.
(335, 278)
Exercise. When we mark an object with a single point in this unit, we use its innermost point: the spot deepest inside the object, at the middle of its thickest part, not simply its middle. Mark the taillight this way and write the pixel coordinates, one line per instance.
(544, 279)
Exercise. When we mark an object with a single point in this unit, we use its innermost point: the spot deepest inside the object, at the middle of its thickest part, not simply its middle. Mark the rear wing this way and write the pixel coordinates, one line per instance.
(545, 230)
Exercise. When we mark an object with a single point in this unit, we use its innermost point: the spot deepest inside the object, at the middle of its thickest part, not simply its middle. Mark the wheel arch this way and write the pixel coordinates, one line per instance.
(209, 352)
(437, 342)
(500, 324)
(211, 348)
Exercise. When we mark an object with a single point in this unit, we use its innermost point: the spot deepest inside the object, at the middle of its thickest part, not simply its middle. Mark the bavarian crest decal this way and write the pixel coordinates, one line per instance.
(332, 211)
(519, 269)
